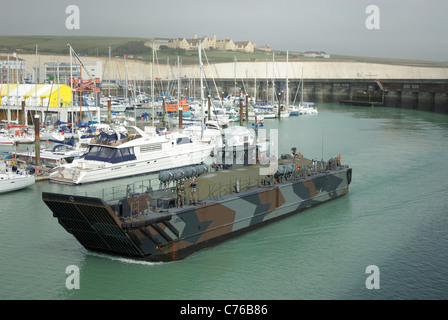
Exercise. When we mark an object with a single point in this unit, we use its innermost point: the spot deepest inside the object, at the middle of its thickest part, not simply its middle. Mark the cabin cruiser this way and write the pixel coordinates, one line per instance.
(307, 108)
(143, 152)
(62, 152)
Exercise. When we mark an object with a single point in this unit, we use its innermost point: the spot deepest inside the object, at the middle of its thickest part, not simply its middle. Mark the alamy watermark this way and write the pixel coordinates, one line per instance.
(237, 154)
(373, 280)
(272, 157)
(73, 20)
(373, 20)
(72, 281)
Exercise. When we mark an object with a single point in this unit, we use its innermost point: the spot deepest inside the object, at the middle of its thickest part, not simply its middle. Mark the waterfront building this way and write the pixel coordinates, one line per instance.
(59, 72)
(53, 101)
(51, 95)
(12, 69)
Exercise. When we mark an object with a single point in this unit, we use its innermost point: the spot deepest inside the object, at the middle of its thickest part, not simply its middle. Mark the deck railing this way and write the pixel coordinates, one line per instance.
(213, 190)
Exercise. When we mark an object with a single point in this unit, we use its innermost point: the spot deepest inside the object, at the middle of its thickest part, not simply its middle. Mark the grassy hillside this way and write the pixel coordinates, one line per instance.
(99, 46)
(58, 44)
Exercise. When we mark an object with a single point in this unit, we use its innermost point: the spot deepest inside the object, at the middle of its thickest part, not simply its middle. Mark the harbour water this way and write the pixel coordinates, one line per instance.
(394, 217)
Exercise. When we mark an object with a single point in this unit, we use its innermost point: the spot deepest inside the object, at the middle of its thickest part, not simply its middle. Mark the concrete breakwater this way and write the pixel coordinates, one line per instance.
(426, 95)
(418, 94)
(397, 86)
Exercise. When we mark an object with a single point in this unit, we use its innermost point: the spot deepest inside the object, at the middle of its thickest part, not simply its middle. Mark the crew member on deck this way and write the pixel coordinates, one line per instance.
(180, 191)
(193, 191)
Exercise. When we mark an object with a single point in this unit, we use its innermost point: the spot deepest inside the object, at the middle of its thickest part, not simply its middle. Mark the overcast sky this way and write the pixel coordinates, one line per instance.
(408, 29)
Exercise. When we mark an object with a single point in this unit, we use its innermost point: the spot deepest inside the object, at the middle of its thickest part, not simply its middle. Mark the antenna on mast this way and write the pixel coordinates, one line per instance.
(152, 82)
(202, 91)
(322, 144)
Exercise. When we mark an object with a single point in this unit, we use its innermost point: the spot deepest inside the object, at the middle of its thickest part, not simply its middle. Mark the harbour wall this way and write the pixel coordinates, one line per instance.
(420, 95)
(324, 81)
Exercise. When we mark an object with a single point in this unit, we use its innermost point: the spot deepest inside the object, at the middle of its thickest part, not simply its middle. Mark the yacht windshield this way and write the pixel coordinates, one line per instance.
(183, 140)
(111, 155)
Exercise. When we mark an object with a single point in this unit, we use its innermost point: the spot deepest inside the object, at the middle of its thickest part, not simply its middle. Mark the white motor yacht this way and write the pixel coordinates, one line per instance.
(144, 152)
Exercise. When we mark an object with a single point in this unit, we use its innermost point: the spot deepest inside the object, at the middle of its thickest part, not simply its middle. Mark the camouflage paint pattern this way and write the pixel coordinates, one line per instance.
(177, 232)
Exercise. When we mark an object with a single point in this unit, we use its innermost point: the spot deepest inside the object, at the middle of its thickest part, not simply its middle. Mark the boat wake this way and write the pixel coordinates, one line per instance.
(121, 259)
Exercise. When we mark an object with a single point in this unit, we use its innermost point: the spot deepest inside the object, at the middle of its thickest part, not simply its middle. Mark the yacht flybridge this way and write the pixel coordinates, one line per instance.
(114, 156)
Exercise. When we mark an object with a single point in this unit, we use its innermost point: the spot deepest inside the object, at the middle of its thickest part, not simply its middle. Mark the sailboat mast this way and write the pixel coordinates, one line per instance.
(126, 80)
(109, 71)
(202, 91)
(8, 100)
(301, 91)
(152, 83)
(287, 84)
(57, 76)
(37, 68)
(71, 84)
(234, 74)
(255, 86)
(36, 79)
(179, 108)
(273, 81)
(267, 82)
(178, 83)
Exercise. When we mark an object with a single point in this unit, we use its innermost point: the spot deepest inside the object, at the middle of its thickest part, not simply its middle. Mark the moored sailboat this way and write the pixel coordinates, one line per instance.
(12, 179)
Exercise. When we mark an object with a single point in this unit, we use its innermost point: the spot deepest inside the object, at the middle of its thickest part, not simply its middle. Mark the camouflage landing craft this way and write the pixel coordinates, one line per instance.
(148, 225)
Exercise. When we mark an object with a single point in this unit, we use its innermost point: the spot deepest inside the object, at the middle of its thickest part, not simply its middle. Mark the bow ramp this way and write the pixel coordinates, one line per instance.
(92, 222)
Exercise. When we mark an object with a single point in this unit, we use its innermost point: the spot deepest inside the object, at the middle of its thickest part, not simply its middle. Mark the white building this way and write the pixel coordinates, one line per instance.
(59, 72)
(11, 69)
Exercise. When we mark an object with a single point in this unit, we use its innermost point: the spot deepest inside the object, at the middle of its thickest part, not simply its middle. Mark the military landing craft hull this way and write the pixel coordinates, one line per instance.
(146, 226)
